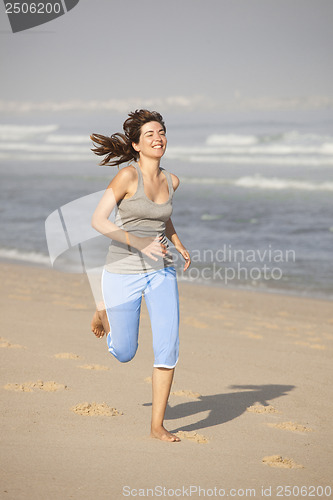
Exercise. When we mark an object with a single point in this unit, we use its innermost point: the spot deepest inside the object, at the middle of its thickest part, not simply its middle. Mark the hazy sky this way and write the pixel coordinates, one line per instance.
(204, 53)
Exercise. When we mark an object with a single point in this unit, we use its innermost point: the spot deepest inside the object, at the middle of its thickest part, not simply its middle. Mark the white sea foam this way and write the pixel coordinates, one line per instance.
(43, 148)
(260, 149)
(202, 102)
(68, 157)
(289, 148)
(258, 181)
(262, 160)
(75, 156)
(35, 257)
(19, 132)
(231, 139)
(115, 105)
(72, 139)
(40, 143)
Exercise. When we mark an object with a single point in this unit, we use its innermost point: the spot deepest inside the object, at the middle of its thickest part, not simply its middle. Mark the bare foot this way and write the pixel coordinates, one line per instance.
(162, 434)
(97, 325)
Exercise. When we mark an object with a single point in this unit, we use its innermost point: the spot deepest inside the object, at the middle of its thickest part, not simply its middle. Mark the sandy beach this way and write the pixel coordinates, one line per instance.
(251, 399)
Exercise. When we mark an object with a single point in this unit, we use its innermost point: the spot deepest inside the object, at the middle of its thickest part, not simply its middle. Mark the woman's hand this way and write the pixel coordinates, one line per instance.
(184, 253)
(151, 246)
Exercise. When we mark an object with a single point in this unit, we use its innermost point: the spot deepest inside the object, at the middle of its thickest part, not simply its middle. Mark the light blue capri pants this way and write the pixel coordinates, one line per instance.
(122, 294)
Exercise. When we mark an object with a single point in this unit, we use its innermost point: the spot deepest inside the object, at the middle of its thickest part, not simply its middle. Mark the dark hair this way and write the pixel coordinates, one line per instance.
(118, 147)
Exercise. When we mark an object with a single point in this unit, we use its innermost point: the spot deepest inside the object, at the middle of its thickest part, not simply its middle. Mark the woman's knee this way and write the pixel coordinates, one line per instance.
(124, 355)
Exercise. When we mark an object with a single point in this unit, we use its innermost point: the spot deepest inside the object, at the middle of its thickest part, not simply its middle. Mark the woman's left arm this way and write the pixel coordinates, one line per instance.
(170, 231)
(171, 234)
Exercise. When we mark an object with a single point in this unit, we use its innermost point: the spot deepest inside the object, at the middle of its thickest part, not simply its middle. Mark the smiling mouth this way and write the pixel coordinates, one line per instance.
(158, 147)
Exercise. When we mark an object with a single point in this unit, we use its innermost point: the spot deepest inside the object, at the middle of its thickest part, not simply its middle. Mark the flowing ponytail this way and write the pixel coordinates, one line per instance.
(118, 148)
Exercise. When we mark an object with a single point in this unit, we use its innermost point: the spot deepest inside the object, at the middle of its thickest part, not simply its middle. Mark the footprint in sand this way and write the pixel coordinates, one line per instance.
(50, 386)
(265, 324)
(192, 436)
(291, 328)
(187, 394)
(261, 409)
(317, 346)
(95, 409)
(7, 345)
(251, 335)
(308, 344)
(19, 297)
(67, 355)
(95, 367)
(279, 461)
(79, 307)
(216, 316)
(194, 322)
(291, 426)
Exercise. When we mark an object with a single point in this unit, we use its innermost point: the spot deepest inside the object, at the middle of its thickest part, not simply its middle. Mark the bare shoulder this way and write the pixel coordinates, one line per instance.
(124, 181)
(175, 181)
(124, 176)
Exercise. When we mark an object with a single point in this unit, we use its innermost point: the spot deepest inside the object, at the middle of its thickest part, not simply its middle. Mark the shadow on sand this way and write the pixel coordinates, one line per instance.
(225, 407)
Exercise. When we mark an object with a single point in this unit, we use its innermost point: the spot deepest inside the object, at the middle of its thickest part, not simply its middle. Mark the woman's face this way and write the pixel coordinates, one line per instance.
(152, 141)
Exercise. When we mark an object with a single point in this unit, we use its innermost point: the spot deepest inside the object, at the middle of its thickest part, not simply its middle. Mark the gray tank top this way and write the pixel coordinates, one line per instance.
(140, 216)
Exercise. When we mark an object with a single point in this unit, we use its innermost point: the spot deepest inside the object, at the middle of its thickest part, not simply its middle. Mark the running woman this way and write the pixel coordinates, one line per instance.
(139, 261)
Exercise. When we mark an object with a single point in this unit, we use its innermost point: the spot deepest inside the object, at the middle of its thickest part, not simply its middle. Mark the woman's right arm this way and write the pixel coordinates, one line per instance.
(116, 190)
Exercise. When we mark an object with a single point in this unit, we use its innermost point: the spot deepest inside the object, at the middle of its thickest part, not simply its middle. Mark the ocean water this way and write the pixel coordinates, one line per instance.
(254, 206)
